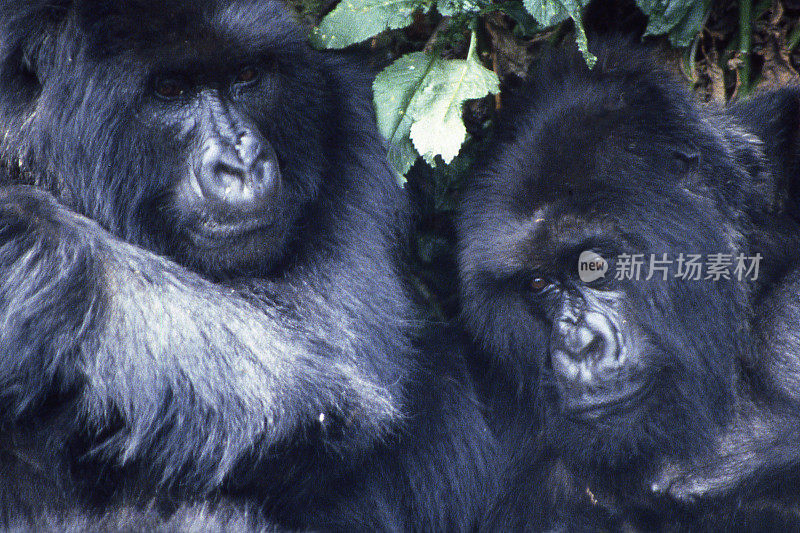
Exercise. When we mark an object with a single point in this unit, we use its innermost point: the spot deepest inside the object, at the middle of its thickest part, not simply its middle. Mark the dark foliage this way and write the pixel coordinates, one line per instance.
(646, 403)
(206, 306)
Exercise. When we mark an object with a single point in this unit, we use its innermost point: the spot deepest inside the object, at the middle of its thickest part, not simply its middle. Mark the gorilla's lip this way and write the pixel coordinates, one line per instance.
(210, 232)
(595, 407)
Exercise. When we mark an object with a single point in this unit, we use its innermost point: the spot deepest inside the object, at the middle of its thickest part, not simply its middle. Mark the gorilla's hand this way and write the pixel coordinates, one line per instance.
(688, 483)
(752, 445)
(47, 297)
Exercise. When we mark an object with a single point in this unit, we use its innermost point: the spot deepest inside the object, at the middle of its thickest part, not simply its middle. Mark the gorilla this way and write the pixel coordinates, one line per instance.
(202, 310)
(627, 270)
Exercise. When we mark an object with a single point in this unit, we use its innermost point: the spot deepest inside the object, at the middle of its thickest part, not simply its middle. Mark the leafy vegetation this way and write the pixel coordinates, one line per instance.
(418, 98)
(461, 49)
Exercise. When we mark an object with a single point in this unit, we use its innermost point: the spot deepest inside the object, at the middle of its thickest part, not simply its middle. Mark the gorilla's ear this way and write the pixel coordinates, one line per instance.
(22, 75)
(774, 118)
(686, 161)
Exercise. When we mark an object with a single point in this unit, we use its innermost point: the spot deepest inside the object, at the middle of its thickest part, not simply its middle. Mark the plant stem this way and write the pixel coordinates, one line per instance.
(794, 38)
(745, 43)
(433, 40)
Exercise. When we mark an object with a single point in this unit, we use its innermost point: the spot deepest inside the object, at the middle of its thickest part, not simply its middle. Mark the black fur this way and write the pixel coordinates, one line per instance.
(620, 156)
(138, 373)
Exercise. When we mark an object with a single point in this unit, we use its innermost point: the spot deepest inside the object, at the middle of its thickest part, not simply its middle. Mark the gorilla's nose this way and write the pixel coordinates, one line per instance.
(586, 349)
(240, 177)
(577, 340)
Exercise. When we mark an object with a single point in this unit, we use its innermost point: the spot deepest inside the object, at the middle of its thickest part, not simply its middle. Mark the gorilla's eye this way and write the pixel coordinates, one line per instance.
(169, 88)
(247, 75)
(538, 284)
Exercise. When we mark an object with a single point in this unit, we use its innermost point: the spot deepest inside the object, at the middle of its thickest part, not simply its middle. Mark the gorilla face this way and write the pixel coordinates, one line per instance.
(595, 349)
(616, 361)
(230, 188)
(625, 365)
(213, 135)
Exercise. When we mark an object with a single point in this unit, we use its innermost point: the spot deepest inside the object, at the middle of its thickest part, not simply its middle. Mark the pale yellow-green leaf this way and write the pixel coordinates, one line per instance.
(354, 21)
(418, 99)
(438, 135)
(438, 128)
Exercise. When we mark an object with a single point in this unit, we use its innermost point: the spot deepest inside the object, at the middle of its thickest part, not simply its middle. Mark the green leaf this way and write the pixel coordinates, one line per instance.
(450, 8)
(418, 101)
(354, 21)
(549, 12)
(438, 128)
(526, 23)
(393, 92)
(681, 19)
(684, 32)
(552, 12)
(663, 15)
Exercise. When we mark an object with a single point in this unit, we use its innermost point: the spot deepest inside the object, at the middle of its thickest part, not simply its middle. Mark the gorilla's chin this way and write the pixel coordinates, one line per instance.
(600, 404)
(212, 233)
(233, 246)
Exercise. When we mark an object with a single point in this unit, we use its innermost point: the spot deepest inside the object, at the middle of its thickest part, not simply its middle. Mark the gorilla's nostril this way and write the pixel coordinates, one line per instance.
(579, 341)
(220, 171)
(594, 349)
(230, 183)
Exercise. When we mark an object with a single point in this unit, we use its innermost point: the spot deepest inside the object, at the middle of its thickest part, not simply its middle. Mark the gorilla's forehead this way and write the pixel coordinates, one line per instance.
(189, 30)
(597, 136)
(549, 237)
(556, 234)
(583, 157)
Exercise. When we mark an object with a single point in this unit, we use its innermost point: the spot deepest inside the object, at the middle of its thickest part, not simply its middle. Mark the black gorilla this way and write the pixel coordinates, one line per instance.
(632, 396)
(208, 309)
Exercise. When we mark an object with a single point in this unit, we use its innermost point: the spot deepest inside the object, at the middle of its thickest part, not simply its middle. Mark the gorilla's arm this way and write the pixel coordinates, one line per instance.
(207, 371)
(763, 438)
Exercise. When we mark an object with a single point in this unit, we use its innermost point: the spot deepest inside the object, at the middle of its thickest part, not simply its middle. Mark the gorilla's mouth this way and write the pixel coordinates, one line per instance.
(602, 405)
(209, 232)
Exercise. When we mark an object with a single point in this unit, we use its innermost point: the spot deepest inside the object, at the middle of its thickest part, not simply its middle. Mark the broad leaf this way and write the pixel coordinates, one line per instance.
(418, 101)
(681, 19)
(354, 21)
(394, 90)
(548, 12)
(552, 12)
(438, 127)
